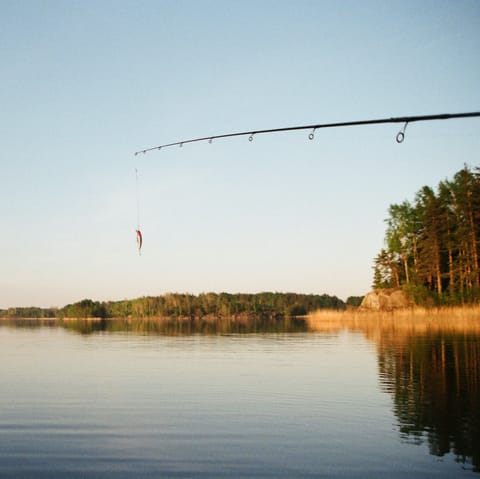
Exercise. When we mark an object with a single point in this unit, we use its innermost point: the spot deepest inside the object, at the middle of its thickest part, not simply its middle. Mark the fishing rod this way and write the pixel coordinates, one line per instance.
(399, 138)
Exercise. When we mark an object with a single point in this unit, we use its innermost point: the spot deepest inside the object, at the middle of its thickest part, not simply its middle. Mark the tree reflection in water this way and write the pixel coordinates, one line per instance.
(434, 381)
(208, 325)
(430, 364)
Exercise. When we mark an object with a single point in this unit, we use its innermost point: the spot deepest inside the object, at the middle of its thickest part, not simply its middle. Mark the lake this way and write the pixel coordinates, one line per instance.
(123, 399)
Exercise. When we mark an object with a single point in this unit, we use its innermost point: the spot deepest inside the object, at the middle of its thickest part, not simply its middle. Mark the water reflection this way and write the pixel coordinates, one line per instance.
(29, 323)
(185, 327)
(432, 371)
(430, 368)
(434, 382)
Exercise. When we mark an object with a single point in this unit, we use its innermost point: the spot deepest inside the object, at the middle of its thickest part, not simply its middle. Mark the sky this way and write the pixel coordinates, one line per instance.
(85, 84)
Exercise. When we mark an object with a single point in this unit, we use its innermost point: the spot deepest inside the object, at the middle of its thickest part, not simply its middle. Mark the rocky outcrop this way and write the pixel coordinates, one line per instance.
(385, 300)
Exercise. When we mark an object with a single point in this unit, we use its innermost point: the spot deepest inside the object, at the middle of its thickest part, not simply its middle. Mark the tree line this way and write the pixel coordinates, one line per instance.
(29, 312)
(189, 305)
(432, 244)
(174, 305)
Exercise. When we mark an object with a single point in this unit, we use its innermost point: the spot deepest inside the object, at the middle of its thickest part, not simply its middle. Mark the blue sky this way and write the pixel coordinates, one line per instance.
(86, 83)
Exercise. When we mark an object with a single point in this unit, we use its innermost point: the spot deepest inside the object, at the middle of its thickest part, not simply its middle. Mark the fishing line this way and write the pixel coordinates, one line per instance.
(137, 194)
(399, 138)
(138, 232)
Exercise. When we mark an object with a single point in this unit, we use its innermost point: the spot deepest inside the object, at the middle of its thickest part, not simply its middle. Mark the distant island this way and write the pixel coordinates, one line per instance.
(184, 305)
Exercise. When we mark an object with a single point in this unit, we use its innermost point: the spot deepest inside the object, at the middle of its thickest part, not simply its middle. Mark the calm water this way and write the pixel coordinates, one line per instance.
(126, 400)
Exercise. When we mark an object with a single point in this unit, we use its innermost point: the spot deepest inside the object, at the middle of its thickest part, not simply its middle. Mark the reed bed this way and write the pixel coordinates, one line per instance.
(455, 319)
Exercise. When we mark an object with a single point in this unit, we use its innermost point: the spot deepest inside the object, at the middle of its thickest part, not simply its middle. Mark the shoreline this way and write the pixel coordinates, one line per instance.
(465, 312)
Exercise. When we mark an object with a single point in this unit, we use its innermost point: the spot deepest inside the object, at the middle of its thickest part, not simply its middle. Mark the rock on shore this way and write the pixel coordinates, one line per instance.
(385, 300)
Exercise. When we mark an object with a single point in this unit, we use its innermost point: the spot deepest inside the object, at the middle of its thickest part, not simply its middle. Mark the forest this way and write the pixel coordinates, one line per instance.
(175, 305)
(432, 244)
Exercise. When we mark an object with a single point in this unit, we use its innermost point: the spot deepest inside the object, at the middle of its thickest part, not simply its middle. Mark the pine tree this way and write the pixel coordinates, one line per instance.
(434, 243)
